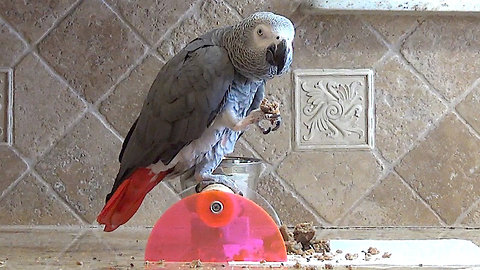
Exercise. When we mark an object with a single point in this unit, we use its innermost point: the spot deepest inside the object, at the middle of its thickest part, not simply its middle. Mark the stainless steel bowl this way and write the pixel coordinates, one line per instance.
(244, 171)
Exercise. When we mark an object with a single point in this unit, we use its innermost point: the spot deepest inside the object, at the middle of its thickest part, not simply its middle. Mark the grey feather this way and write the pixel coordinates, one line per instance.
(183, 100)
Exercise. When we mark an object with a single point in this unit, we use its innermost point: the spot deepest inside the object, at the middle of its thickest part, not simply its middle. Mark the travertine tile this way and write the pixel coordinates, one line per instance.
(282, 7)
(4, 96)
(241, 150)
(391, 203)
(33, 248)
(11, 167)
(442, 49)
(123, 106)
(289, 209)
(275, 145)
(129, 242)
(333, 109)
(33, 18)
(43, 108)
(404, 108)
(12, 47)
(392, 27)
(445, 168)
(91, 49)
(335, 41)
(212, 14)
(330, 181)
(31, 203)
(82, 166)
(468, 108)
(472, 219)
(154, 205)
(80, 255)
(152, 18)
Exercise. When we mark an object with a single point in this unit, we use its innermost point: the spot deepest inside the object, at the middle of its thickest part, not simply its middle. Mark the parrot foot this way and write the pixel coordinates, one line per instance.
(254, 117)
(211, 179)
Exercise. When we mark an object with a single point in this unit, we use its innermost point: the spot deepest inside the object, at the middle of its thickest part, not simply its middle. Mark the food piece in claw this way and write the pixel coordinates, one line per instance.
(271, 107)
(272, 111)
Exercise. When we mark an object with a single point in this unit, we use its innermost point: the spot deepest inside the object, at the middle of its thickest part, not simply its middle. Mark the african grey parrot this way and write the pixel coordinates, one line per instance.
(199, 104)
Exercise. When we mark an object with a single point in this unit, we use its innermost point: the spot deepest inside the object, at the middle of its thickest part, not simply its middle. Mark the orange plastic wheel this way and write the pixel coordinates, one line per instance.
(215, 226)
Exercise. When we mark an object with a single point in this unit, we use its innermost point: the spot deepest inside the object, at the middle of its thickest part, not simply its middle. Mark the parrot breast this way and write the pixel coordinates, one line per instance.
(218, 139)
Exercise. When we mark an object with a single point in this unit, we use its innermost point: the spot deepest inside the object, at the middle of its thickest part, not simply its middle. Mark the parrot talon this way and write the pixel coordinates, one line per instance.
(266, 131)
(277, 124)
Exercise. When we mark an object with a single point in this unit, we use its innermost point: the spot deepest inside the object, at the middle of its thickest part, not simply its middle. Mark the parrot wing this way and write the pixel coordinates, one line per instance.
(187, 94)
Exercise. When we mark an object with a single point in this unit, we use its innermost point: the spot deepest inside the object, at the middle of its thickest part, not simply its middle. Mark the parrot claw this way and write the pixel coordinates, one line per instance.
(218, 179)
(274, 119)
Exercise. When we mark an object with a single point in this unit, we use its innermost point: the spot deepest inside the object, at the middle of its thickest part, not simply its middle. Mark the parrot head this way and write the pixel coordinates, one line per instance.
(261, 45)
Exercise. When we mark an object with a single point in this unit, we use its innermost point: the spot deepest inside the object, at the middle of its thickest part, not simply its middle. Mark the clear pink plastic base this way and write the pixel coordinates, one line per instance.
(189, 230)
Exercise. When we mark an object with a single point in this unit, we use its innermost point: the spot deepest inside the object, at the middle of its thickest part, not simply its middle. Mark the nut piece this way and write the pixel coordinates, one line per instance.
(286, 234)
(350, 256)
(271, 107)
(303, 233)
(373, 251)
(196, 264)
(386, 255)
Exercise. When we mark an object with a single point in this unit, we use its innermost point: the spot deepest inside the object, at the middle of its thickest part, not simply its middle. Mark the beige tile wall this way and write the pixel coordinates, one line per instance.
(81, 69)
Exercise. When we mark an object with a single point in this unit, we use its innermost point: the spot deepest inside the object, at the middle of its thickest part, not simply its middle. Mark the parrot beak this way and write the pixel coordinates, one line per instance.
(277, 55)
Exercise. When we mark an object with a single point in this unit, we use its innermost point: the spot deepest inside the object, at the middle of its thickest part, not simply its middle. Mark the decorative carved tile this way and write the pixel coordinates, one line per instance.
(6, 117)
(333, 109)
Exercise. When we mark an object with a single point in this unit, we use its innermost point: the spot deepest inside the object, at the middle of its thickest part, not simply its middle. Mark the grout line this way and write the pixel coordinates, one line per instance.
(398, 45)
(80, 235)
(306, 205)
(105, 123)
(386, 171)
(383, 60)
(244, 142)
(465, 213)
(14, 184)
(191, 11)
(32, 47)
(57, 22)
(450, 107)
(425, 203)
(469, 127)
(67, 206)
(120, 79)
(464, 95)
(27, 48)
(288, 188)
(375, 32)
(30, 169)
(60, 78)
(13, 31)
(423, 79)
(395, 49)
(127, 24)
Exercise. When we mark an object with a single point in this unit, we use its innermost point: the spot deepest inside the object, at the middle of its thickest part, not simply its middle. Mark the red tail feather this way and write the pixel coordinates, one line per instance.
(128, 197)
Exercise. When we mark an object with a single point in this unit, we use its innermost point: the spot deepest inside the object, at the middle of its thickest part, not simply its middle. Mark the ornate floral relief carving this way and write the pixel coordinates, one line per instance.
(332, 109)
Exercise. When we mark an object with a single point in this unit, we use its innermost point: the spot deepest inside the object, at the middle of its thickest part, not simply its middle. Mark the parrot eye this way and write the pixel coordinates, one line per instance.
(260, 32)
